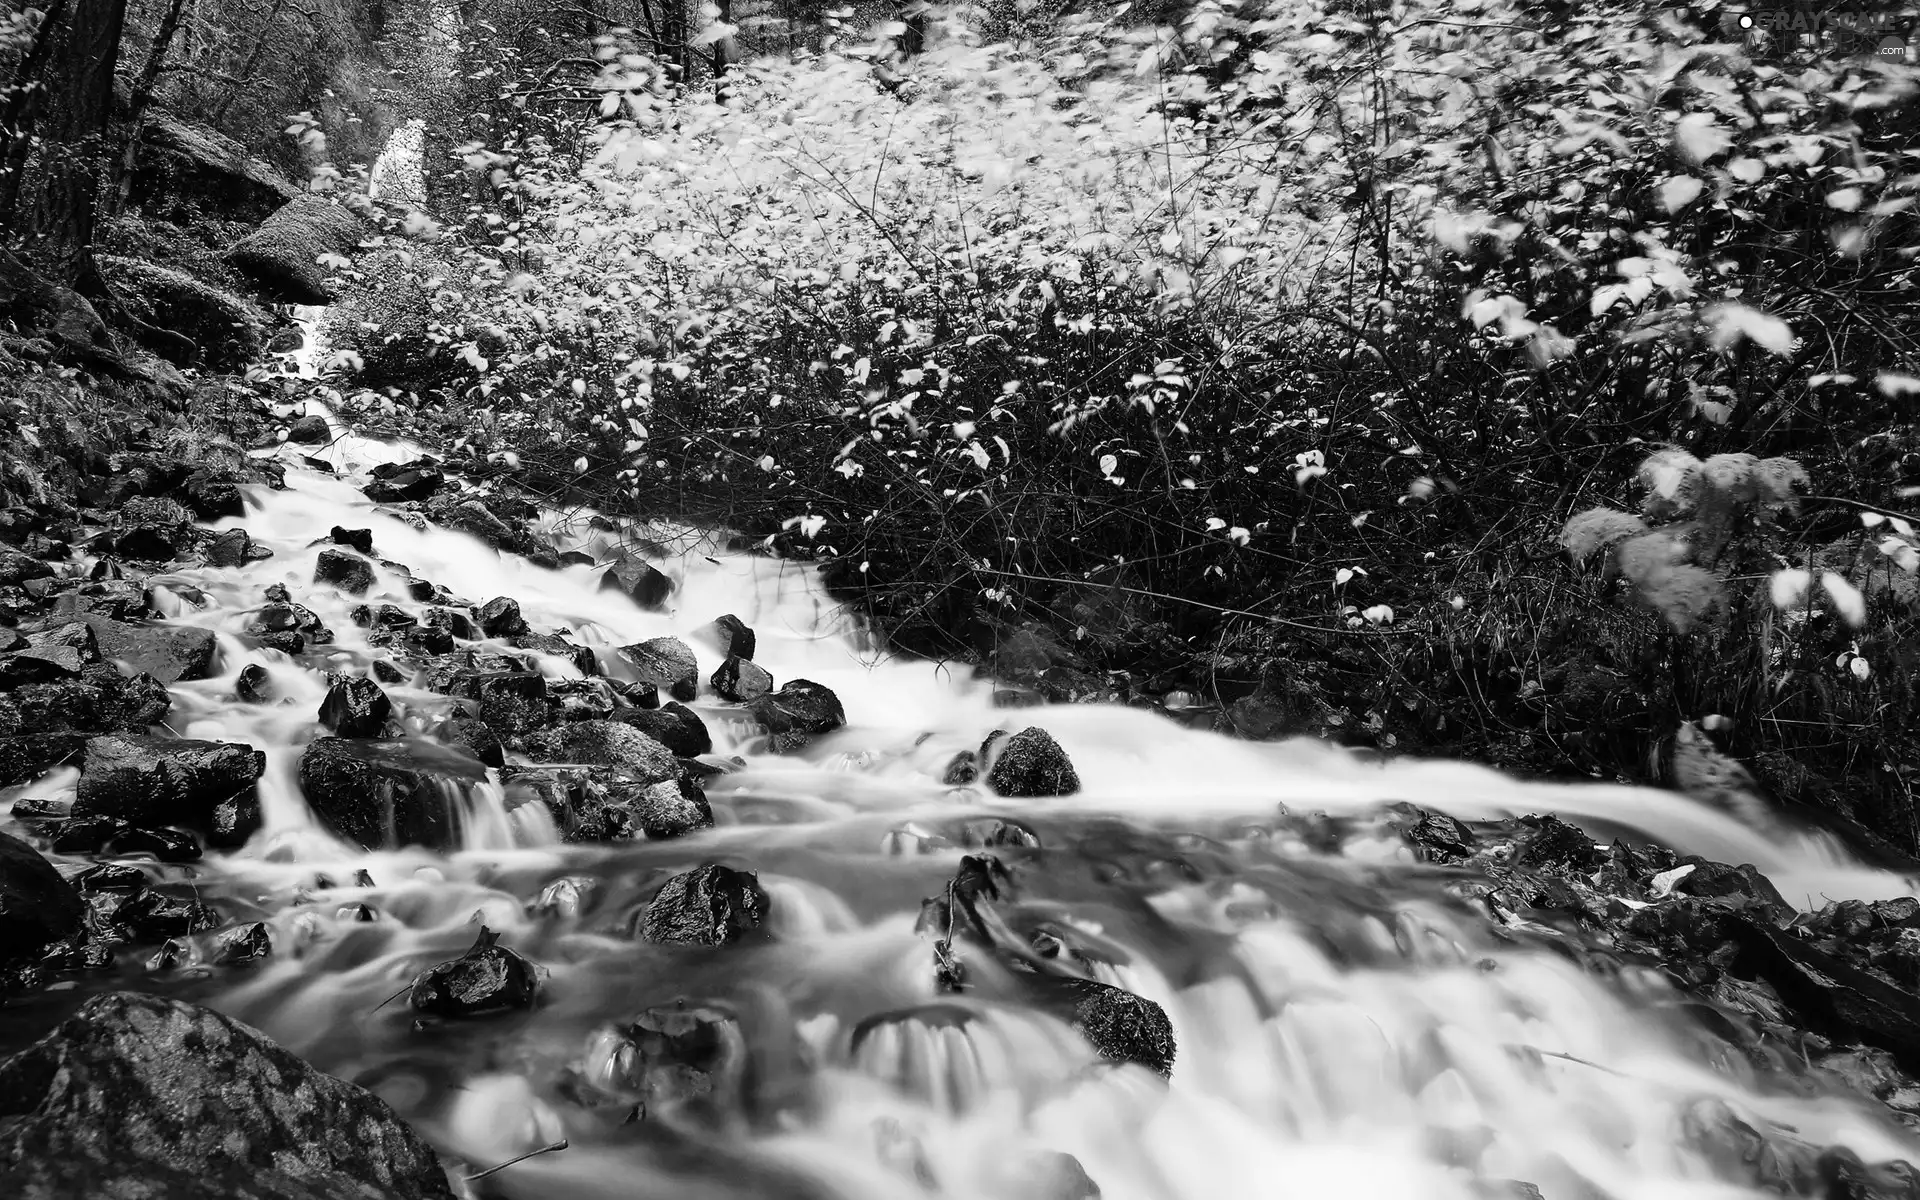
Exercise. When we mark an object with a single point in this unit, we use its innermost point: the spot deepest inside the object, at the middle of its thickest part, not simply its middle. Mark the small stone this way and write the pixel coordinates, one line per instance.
(355, 707)
(670, 808)
(309, 431)
(1031, 763)
(500, 618)
(167, 845)
(247, 944)
(353, 539)
(638, 580)
(1122, 1027)
(741, 680)
(254, 686)
(733, 636)
(228, 548)
(711, 905)
(387, 672)
(487, 979)
(796, 714)
(348, 572)
(666, 662)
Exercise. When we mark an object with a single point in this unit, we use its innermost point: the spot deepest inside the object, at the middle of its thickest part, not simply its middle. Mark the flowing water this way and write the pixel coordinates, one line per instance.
(1344, 1028)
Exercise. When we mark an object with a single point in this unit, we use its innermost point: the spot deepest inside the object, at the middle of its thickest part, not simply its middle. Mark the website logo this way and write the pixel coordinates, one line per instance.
(1783, 28)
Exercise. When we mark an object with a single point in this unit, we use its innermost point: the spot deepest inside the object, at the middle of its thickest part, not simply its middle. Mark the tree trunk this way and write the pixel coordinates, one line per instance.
(22, 106)
(56, 204)
(120, 182)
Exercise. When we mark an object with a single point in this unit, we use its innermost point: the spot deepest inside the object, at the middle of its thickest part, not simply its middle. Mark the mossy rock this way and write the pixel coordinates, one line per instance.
(282, 256)
(230, 330)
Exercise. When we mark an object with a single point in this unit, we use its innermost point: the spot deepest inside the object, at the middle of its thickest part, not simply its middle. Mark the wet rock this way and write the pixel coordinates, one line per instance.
(1833, 996)
(1438, 838)
(428, 640)
(385, 616)
(500, 618)
(454, 622)
(150, 915)
(796, 714)
(686, 1055)
(348, 572)
(382, 794)
(609, 743)
(355, 707)
(581, 657)
(154, 529)
(25, 759)
(674, 726)
(667, 663)
(711, 905)
(487, 979)
(400, 483)
(155, 781)
(254, 686)
(228, 548)
(137, 1096)
(670, 808)
(87, 835)
(17, 568)
(1122, 1027)
(244, 945)
(473, 738)
(1031, 763)
(1544, 841)
(741, 680)
(576, 798)
(37, 906)
(51, 708)
(164, 844)
(352, 539)
(58, 653)
(386, 672)
(584, 699)
(474, 518)
(1742, 885)
(170, 653)
(733, 637)
(310, 430)
(1046, 1175)
(512, 703)
(639, 581)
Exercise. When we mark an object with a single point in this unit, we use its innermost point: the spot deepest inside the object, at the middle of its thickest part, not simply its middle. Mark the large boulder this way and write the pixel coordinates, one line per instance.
(154, 529)
(674, 726)
(37, 906)
(25, 759)
(154, 781)
(184, 172)
(345, 570)
(143, 1098)
(398, 483)
(229, 330)
(383, 794)
(282, 256)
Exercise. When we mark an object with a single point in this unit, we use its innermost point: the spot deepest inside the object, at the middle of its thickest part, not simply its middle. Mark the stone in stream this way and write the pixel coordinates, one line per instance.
(243, 945)
(476, 519)
(59, 652)
(228, 548)
(639, 581)
(170, 653)
(385, 794)
(733, 637)
(25, 759)
(154, 529)
(512, 703)
(667, 663)
(156, 781)
(608, 743)
(487, 979)
(1031, 763)
(454, 621)
(674, 726)
(686, 1056)
(472, 737)
(1122, 1027)
(500, 618)
(352, 539)
(581, 657)
(670, 808)
(711, 905)
(741, 680)
(796, 714)
(310, 430)
(398, 483)
(37, 905)
(139, 1096)
(254, 685)
(355, 707)
(16, 568)
(341, 569)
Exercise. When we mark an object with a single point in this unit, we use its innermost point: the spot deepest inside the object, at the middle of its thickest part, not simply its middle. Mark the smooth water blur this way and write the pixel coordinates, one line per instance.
(1344, 1028)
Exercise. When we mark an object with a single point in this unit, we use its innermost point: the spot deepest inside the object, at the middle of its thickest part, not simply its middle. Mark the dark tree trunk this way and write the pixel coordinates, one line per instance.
(722, 52)
(121, 181)
(56, 205)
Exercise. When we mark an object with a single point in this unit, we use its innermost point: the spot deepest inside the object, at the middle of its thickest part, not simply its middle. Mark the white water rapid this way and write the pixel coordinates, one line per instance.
(1344, 1027)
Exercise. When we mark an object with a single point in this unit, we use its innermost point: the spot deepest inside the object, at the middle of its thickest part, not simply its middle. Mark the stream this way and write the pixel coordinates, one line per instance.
(1344, 1025)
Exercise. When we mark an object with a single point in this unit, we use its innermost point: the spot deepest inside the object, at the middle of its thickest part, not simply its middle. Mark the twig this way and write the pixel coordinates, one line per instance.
(559, 1145)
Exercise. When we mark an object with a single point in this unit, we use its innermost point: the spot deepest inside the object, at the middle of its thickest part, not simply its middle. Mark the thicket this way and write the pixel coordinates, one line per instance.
(1260, 358)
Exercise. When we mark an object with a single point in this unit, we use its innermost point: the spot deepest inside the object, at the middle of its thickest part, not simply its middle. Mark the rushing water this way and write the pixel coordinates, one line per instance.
(1344, 1029)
